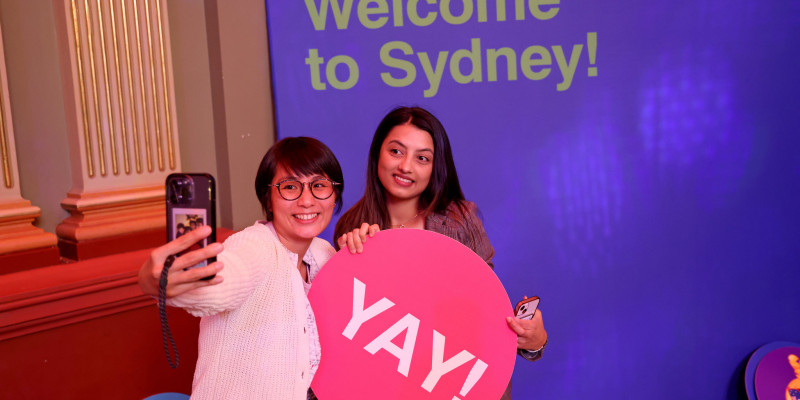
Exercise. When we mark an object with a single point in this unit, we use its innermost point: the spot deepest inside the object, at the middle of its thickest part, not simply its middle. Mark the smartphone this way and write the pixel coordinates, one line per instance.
(526, 308)
(191, 203)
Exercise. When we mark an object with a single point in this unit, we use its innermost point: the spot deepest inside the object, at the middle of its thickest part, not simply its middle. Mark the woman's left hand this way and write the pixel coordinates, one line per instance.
(530, 332)
(354, 241)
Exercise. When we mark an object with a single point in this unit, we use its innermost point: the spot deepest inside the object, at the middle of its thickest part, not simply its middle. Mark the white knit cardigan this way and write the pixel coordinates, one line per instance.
(253, 340)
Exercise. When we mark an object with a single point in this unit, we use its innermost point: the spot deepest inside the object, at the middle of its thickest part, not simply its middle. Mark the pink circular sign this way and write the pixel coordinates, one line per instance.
(777, 375)
(417, 315)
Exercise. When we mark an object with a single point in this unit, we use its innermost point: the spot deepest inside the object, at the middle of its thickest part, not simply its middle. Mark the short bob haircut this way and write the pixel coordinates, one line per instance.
(299, 156)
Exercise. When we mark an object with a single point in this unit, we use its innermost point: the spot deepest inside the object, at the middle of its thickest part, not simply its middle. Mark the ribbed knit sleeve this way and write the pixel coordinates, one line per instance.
(247, 258)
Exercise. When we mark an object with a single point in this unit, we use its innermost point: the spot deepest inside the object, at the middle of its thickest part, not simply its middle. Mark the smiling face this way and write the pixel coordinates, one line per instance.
(405, 163)
(298, 221)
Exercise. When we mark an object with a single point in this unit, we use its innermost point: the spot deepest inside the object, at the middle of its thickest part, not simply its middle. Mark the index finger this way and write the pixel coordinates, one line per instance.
(181, 243)
(342, 241)
(513, 323)
(363, 231)
(373, 229)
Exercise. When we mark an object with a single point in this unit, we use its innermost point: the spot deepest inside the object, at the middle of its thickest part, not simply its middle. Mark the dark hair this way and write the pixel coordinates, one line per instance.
(301, 156)
(443, 188)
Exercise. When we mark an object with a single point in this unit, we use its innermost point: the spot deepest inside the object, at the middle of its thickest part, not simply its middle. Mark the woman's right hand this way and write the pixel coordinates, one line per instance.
(179, 278)
(354, 241)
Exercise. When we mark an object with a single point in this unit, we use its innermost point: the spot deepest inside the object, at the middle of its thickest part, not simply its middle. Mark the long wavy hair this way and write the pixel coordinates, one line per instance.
(443, 190)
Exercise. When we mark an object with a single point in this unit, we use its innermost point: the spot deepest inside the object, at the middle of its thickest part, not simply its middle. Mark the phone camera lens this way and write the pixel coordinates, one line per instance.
(181, 190)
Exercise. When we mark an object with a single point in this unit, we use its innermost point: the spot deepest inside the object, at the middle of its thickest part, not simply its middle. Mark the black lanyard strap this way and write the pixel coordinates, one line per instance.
(162, 310)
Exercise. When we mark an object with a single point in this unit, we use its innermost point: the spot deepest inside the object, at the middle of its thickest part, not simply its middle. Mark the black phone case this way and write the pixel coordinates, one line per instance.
(192, 191)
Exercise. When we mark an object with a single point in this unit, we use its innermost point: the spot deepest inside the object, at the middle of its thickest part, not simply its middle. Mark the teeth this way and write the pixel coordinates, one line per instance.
(404, 180)
(305, 217)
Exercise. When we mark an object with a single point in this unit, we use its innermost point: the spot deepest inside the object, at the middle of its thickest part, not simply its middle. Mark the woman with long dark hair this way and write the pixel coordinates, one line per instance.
(412, 183)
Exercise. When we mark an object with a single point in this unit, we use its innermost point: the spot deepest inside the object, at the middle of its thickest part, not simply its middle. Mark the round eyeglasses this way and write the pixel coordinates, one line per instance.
(291, 189)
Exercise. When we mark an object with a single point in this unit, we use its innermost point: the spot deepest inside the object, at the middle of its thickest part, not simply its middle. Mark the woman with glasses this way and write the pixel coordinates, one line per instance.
(258, 336)
(412, 183)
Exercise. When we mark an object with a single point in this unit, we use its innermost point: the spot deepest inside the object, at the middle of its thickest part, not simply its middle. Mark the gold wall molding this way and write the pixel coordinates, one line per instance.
(17, 232)
(121, 68)
(116, 59)
(102, 215)
(5, 144)
(165, 89)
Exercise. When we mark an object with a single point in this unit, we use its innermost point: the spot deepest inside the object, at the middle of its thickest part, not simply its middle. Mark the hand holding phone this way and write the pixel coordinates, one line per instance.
(526, 308)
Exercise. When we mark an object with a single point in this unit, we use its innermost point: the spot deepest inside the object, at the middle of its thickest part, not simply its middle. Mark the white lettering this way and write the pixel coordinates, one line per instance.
(408, 323)
(438, 367)
(361, 315)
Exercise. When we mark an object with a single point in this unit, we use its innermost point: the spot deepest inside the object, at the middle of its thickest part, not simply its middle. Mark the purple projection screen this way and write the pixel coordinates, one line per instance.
(636, 165)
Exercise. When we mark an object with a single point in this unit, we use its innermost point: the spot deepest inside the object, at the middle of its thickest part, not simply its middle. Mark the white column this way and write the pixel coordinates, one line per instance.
(120, 109)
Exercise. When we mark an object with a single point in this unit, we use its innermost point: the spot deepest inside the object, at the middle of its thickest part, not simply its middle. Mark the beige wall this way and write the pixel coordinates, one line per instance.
(34, 84)
(242, 102)
(222, 91)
